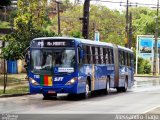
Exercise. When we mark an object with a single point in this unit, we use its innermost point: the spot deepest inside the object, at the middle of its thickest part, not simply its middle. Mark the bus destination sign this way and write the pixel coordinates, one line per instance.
(56, 44)
(51, 43)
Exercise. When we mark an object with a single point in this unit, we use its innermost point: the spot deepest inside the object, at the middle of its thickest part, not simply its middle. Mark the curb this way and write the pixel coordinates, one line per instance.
(14, 95)
(148, 76)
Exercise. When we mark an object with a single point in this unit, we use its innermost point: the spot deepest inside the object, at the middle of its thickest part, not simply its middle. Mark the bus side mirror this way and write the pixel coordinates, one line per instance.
(27, 55)
(81, 54)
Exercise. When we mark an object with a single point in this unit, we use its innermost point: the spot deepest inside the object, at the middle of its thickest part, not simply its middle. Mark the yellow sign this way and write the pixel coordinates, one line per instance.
(126, 40)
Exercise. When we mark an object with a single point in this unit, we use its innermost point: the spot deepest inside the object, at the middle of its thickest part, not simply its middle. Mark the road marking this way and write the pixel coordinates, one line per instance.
(150, 109)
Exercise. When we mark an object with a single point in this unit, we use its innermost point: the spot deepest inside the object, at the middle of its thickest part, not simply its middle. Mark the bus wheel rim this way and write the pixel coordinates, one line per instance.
(125, 85)
(87, 89)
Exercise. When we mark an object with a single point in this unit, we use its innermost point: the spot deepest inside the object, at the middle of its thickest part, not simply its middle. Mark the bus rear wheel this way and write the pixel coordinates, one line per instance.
(107, 86)
(124, 89)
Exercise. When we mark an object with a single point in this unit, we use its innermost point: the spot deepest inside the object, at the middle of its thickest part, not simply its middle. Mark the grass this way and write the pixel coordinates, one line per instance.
(16, 90)
(16, 84)
(13, 79)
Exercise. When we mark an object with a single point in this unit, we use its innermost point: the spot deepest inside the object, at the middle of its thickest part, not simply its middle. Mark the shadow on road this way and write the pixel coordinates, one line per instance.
(94, 95)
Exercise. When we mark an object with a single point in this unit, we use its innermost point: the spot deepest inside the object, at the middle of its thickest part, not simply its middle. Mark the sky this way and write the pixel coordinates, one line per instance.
(117, 5)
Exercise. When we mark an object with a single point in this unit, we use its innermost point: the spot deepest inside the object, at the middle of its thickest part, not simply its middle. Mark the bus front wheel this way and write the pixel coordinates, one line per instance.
(48, 96)
(87, 93)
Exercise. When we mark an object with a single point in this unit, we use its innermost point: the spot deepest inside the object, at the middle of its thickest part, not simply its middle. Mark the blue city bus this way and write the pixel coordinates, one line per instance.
(78, 66)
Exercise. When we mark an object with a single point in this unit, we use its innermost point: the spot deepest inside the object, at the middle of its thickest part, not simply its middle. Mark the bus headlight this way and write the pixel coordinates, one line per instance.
(33, 81)
(72, 81)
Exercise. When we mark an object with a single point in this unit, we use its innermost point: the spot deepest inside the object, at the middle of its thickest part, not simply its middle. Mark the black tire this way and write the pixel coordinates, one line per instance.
(73, 96)
(119, 89)
(107, 90)
(87, 93)
(49, 96)
(124, 89)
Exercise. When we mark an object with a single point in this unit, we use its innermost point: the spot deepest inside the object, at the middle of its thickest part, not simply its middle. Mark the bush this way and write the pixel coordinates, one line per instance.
(144, 66)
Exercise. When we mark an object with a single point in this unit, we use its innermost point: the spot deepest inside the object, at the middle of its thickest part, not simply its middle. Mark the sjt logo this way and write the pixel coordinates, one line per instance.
(58, 78)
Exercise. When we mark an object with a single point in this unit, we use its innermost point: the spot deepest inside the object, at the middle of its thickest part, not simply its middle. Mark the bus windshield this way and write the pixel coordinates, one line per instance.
(43, 61)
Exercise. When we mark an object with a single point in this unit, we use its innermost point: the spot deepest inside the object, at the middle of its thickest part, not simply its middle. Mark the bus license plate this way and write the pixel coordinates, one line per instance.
(51, 92)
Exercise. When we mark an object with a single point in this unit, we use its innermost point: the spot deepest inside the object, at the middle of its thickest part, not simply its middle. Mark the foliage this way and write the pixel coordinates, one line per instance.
(66, 5)
(28, 24)
(5, 25)
(143, 22)
(31, 10)
(144, 66)
(19, 41)
(13, 51)
(109, 23)
(5, 2)
(69, 23)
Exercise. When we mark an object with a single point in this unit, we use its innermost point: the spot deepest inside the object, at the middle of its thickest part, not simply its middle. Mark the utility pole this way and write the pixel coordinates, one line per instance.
(85, 29)
(155, 44)
(126, 32)
(58, 12)
(130, 30)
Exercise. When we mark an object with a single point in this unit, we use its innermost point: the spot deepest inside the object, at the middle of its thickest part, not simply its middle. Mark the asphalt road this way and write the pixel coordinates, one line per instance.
(143, 97)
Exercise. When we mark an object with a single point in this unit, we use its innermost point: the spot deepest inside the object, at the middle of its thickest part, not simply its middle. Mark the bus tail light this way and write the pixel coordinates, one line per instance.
(72, 81)
(33, 81)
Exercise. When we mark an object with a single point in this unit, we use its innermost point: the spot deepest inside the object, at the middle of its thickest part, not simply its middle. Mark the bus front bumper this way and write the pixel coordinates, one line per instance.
(71, 89)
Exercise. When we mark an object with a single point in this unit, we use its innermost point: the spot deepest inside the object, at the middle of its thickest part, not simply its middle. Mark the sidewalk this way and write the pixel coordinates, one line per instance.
(145, 78)
(154, 111)
(140, 75)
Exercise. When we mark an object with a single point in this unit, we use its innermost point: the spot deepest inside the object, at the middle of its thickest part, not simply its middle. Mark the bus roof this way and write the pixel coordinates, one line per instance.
(85, 41)
(46, 38)
(124, 48)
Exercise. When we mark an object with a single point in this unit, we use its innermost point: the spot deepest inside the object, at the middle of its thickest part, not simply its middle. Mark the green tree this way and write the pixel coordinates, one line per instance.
(69, 23)
(29, 24)
(109, 23)
(143, 22)
(31, 10)
(66, 4)
(5, 3)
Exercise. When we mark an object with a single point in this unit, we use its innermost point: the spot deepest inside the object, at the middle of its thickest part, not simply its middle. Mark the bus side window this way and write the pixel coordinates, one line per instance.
(78, 55)
(85, 54)
(89, 55)
(129, 59)
(126, 59)
(104, 56)
(110, 51)
(124, 62)
(96, 54)
(132, 60)
(93, 55)
(101, 56)
(120, 59)
(112, 58)
(108, 55)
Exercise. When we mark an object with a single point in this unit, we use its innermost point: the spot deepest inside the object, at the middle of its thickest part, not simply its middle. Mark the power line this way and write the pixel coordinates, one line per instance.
(130, 3)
